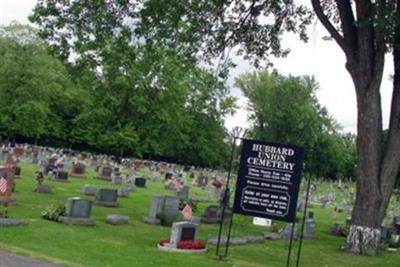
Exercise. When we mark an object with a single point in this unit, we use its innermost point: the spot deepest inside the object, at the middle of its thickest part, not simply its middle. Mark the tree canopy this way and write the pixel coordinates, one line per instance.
(152, 105)
(286, 109)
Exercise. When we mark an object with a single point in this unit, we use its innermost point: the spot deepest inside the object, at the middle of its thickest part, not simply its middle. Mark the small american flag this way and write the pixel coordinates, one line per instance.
(3, 185)
(187, 212)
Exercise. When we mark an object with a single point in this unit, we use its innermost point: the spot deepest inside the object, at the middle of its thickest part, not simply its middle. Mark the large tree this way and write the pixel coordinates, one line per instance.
(365, 31)
(151, 100)
(35, 89)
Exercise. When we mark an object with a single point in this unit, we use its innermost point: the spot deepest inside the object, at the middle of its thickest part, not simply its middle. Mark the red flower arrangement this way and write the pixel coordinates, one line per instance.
(189, 244)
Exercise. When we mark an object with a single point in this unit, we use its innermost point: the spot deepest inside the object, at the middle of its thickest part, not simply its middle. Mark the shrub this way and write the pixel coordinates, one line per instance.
(165, 220)
(53, 212)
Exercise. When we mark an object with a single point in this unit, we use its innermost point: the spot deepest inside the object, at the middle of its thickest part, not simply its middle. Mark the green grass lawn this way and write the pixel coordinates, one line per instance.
(135, 244)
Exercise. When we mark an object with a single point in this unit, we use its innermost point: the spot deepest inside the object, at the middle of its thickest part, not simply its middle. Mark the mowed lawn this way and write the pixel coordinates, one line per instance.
(136, 244)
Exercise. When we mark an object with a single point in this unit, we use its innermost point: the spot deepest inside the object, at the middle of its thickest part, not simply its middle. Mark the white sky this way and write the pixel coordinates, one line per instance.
(323, 59)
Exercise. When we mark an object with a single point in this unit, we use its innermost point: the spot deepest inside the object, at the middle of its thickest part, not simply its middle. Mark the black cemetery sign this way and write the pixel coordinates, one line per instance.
(268, 180)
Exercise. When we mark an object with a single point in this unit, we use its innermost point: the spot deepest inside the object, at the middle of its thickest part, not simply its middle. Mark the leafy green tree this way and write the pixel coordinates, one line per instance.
(33, 84)
(158, 96)
(286, 109)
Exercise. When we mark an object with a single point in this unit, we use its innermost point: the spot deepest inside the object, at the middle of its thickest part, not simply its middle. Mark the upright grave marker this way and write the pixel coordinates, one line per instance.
(268, 180)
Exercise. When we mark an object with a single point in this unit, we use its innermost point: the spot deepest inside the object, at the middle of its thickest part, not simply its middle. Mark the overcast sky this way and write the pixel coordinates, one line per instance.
(323, 59)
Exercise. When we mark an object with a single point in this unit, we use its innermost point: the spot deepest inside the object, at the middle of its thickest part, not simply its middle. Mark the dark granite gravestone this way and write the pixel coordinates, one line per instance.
(210, 214)
(171, 207)
(168, 176)
(105, 173)
(165, 206)
(78, 212)
(156, 207)
(123, 192)
(78, 208)
(107, 197)
(386, 234)
(213, 214)
(140, 182)
(49, 168)
(61, 176)
(43, 188)
(78, 170)
(183, 193)
(182, 231)
(89, 190)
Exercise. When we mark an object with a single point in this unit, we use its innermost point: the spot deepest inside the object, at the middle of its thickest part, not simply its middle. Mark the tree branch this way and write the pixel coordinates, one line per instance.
(348, 23)
(328, 25)
(248, 14)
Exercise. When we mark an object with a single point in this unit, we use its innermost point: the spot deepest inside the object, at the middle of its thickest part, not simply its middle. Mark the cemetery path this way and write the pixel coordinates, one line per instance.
(8, 259)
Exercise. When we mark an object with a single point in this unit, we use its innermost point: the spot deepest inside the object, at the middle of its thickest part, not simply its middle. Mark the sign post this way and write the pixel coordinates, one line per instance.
(268, 181)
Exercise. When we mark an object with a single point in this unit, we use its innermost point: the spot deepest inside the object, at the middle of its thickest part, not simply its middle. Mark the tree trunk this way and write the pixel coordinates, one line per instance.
(364, 45)
(363, 240)
(364, 235)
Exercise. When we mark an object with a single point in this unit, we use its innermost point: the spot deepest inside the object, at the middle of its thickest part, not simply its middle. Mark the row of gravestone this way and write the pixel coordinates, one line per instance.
(78, 210)
(63, 176)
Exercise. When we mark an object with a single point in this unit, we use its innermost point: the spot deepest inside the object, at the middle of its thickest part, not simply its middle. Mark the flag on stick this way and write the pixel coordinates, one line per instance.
(3, 185)
(187, 212)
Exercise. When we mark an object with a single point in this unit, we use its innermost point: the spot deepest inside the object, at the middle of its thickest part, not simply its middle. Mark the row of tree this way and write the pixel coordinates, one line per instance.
(142, 102)
(157, 106)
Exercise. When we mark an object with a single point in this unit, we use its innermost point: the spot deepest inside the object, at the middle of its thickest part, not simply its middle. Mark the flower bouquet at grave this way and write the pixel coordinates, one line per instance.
(53, 212)
(189, 244)
(186, 244)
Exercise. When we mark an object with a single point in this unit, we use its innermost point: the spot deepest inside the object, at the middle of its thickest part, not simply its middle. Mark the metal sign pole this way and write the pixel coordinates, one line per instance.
(303, 222)
(225, 204)
(290, 244)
